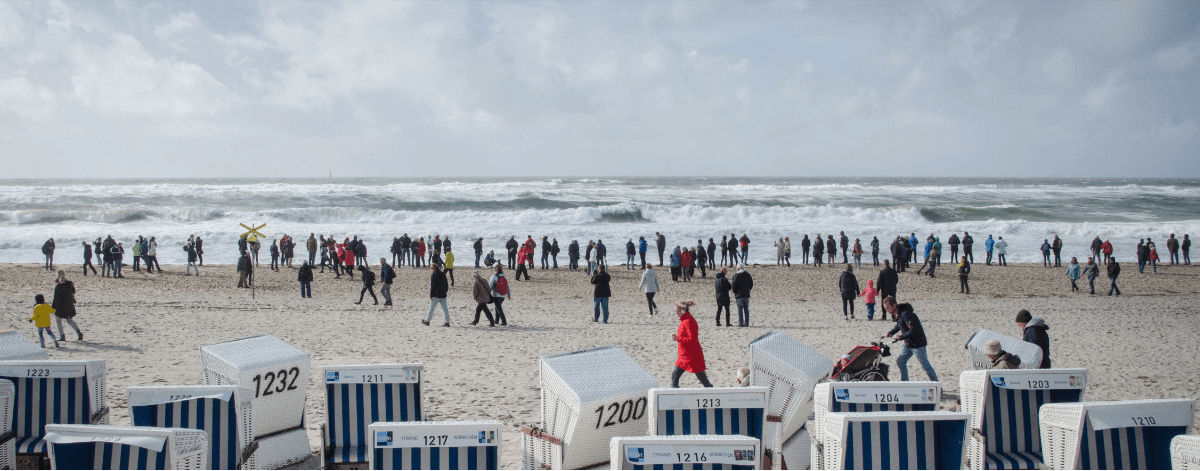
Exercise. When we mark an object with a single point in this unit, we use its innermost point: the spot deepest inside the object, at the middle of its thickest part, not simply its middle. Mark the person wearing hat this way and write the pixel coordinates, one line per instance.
(1034, 331)
(1001, 360)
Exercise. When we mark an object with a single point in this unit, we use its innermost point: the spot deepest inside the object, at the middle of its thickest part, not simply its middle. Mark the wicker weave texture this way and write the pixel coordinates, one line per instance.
(790, 370)
(1185, 452)
(14, 346)
(263, 364)
(590, 396)
(617, 446)
(1030, 354)
(8, 393)
(185, 448)
(1063, 425)
(282, 450)
(797, 451)
(240, 399)
(975, 386)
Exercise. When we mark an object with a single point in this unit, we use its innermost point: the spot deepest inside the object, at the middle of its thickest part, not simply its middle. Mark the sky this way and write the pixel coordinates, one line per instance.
(687, 88)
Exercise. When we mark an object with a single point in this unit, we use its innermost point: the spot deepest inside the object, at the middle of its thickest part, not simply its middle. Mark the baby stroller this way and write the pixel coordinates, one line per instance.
(863, 363)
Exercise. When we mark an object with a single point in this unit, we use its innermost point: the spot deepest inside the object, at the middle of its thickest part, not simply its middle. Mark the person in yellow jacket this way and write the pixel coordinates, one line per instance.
(450, 265)
(41, 319)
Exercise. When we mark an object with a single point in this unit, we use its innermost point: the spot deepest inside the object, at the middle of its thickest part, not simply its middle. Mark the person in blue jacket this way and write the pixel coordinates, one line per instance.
(642, 250)
(912, 242)
(1045, 252)
(987, 246)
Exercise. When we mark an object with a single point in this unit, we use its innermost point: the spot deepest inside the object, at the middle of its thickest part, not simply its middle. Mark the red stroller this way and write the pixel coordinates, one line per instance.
(864, 364)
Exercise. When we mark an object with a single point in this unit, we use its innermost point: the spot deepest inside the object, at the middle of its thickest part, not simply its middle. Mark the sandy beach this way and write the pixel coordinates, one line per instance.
(149, 327)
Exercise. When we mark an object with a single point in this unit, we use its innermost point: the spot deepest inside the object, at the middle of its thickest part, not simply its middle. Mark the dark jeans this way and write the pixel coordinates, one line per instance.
(660, 255)
(312, 258)
(743, 305)
(477, 255)
(545, 260)
(723, 305)
(643, 254)
(953, 252)
(847, 303)
(875, 257)
(365, 290)
(1091, 284)
(989, 257)
(87, 262)
(678, 373)
(1002, 260)
(274, 262)
(482, 307)
(305, 289)
(500, 319)
(963, 287)
(650, 302)
(512, 260)
(1112, 286)
(1057, 258)
(522, 268)
(970, 255)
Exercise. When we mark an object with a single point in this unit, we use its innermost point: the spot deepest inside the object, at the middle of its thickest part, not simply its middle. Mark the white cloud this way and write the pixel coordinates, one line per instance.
(186, 21)
(1100, 96)
(1060, 66)
(1178, 57)
(25, 99)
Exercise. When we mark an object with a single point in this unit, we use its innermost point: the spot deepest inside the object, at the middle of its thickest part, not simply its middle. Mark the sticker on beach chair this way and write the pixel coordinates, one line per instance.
(1039, 381)
(689, 454)
(398, 439)
(354, 376)
(42, 371)
(1141, 415)
(701, 400)
(890, 395)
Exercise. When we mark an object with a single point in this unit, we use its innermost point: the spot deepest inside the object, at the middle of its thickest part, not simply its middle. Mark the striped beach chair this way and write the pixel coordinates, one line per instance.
(895, 440)
(1004, 412)
(588, 397)
(1030, 354)
(357, 396)
(869, 396)
(1115, 434)
(789, 370)
(685, 452)
(8, 442)
(1185, 452)
(435, 445)
(277, 375)
(708, 411)
(105, 447)
(52, 392)
(14, 346)
(224, 412)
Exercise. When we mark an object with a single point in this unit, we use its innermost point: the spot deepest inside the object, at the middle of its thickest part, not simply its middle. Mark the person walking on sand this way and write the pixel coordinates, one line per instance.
(387, 274)
(1033, 330)
(723, 287)
(305, 277)
(1097, 246)
(1057, 246)
(48, 251)
(649, 285)
(482, 296)
(524, 260)
(741, 285)
(87, 259)
(964, 271)
(368, 284)
(500, 291)
(908, 328)
(848, 286)
(41, 320)
(64, 306)
(600, 293)
(887, 283)
(1114, 270)
(868, 295)
(1091, 271)
(438, 289)
(661, 242)
(1073, 273)
(690, 357)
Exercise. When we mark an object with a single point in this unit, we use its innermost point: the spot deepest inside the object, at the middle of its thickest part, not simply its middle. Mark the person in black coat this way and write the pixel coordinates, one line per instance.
(908, 328)
(573, 255)
(887, 282)
(87, 259)
(848, 286)
(478, 246)
(48, 251)
(712, 254)
(554, 253)
(601, 292)
(438, 290)
(805, 244)
(1033, 330)
(368, 281)
(512, 245)
(64, 306)
(742, 284)
(244, 266)
(723, 287)
(305, 277)
(661, 241)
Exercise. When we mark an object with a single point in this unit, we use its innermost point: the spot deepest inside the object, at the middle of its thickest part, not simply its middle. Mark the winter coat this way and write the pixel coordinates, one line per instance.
(438, 286)
(691, 355)
(600, 280)
(1114, 269)
(630, 249)
(685, 259)
(649, 282)
(305, 274)
(480, 292)
(661, 241)
(554, 248)
(848, 285)
(312, 244)
(953, 240)
(48, 248)
(968, 241)
(387, 274)
(1035, 333)
(642, 246)
(511, 245)
(674, 259)
(742, 284)
(64, 300)
(1073, 271)
(478, 246)
(1091, 270)
(722, 285)
(1006, 361)
(1001, 247)
(888, 279)
(869, 294)
(243, 264)
(988, 244)
(911, 331)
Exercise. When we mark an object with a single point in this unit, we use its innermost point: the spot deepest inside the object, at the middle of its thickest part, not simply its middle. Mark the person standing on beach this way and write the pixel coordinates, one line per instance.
(1186, 246)
(1142, 255)
(448, 263)
(200, 250)
(1002, 251)
(482, 296)
(831, 248)
(274, 255)
(387, 274)
(888, 281)
(244, 266)
(912, 247)
(118, 253)
(546, 252)
(405, 242)
(1091, 270)
(964, 271)
(676, 267)
(745, 244)
(787, 252)
(395, 249)
(779, 252)
(1114, 270)
(630, 254)
(446, 248)
(1073, 273)
(844, 243)
(137, 253)
(953, 241)
(87, 259)
(1097, 246)
(151, 256)
(733, 249)
(48, 251)
(1057, 246)
(848, 286)
(968, 242)
(742, 284)
(875, 251)
(64, 306)
(818, 251)
(661, 241)
(191, 260)
(724, 250)
(642, 246)
(601, 253)
(723, 287)
(478, 246)
(437, 294)
(420, 252)
(712, 253)
(1046, 253)
(348, 258)
(305, 277)
(908, 328)
(988, 245)
(524, 259)
(858, 253)
(1033, 330)
(805, 244)
(573, 255)
(500, 291)
(1173, 249)
(701, 259)
(685, 265)
(41, 320)
(649, 285)
(554, 252)
(690, 356)
(600, 293)
(311, 245)
(512, 246)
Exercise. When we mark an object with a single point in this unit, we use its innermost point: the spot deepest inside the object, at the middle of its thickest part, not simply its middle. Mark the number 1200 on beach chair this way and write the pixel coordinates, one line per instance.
(357, 396)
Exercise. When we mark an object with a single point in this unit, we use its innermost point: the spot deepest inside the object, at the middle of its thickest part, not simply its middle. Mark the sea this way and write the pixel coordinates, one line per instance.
(615, 210)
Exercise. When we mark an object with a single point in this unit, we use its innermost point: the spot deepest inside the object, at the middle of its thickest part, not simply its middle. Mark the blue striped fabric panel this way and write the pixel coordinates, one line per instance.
(103, 455)
(1126, 448)
(217, 417)
(690, 466)
(903, 444)
(350, 408)
(746, 422)
(1011, 420)
(854, 407)
(466, 457)
(42, 401)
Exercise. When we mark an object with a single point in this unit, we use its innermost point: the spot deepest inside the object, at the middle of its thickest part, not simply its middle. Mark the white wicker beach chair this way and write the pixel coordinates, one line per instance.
(1004, 412)
(789, 370)
(686, 452)
(708, 411)
(14, 346)
(797, 451)
(435, 445)
(107, 447)
(224, 412)
(1114, 435)
(8, 442)
(1030, 354)
(357, 396)
(869, 396)
(52, 391)
(1185, 452)
(277, 375)
(588, 397)
(895, 440)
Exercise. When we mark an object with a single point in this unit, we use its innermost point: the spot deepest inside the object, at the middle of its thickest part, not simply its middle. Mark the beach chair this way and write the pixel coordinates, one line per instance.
(895, 440)
(14, 346)
(1185, 452)
(685, 452)
(1030, 354)
(357, 396)
(869, 396)
(224, 412)
(1114, 434)
(1004, 412)
(796, 451)
(708, 411)
(107, 447)
(277, 375)
(789, 370)
(52, 392)
(8, 442)
(588, 397)
(435, 445)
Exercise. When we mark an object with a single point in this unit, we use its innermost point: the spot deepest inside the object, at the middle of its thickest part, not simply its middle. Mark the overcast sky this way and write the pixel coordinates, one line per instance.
(291, 89)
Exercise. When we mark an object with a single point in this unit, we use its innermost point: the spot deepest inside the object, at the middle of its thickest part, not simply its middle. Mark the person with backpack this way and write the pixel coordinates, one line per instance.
(500, 291)
(690, 357)
(967, 243)
(387, 275)
(1057, 246)
(368, 283)
(601, 292)
(305, 277)
(438, 288)
(964, 271)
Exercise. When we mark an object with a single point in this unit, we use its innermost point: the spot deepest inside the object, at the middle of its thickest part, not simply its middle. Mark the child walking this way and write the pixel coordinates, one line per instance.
(41, 319)
(869, 296)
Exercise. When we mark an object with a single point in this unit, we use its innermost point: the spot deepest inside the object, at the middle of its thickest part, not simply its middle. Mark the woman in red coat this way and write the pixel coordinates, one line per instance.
(685, 264)
(347, 258)
(691, 356)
